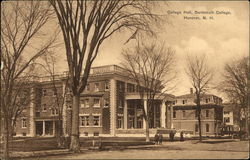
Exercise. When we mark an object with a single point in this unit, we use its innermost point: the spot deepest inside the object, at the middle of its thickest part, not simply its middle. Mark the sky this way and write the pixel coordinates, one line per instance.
(222, 38)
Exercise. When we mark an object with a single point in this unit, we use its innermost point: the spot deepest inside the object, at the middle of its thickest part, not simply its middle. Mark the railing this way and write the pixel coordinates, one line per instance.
(107, 69)
(93, 71)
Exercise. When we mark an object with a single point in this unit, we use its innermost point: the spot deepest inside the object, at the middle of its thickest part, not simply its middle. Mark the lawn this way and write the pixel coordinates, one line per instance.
(170, 150)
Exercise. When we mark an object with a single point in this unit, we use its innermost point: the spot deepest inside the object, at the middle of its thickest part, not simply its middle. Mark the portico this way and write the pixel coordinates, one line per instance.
(132, 114)
(45, 127)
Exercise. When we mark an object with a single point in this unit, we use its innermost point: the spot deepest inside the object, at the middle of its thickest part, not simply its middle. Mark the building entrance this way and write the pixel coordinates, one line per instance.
(45, 128)
(39, 128)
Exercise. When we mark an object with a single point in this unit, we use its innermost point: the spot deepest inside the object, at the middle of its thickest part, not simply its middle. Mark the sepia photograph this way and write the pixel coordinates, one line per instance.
(124, 79)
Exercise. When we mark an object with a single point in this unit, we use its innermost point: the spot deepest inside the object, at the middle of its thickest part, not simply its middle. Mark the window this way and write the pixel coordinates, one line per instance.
(184, 101)
(196, 113)
(106, 86)
(226, 119)
(131, 122)
(69, 106)
(44, 92)
(196, 127)
(207, 127)
(120, 87)
(120, 103)
(96, 102)
(96, 133)
(207, 113)
(44, 107)
(87, 87)
(84, 121)
(82, 104)
(37, 114)
(106, 103)
(207, 100)
(55, 92)
(130, 88)
(174, 114)
(54, 111)
(140, 121)
(226, 112)
(119, 121)
(183, 114)
(86, 103)
(85, 133)
(96, 87)
(24, 123)
(69, 90)
(96, 120)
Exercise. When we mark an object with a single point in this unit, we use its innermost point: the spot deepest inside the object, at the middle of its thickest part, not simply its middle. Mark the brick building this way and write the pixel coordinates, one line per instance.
(109, 106)
(185, 115)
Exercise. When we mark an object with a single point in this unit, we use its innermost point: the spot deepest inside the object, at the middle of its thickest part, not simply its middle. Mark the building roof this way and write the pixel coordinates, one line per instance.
(228, 106)
(192, 95)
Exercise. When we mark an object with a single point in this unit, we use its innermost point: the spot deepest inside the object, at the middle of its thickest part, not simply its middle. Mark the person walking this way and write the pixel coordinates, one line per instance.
(171, 136)
(181, 137)
(156, 138)
(160, 138)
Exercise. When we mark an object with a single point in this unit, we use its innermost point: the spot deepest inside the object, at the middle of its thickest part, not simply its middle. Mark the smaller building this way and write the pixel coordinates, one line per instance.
(228, 115)
(185, 115)
(231, 116)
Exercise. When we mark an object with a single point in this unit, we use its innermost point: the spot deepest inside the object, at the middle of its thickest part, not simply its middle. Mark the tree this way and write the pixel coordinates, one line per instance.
(200, 75)
(151, 68)
(85, 25)
(49, 66)
(21, 25)
(235, 86)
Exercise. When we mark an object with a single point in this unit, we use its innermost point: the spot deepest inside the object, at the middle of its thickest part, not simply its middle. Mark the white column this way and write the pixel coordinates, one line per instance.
(112, 106)
(125, 113)
(171, 116)
(163, 114)
(64, 111)
(54, 128)
(145, 107)
(32, 112)
(43, 128)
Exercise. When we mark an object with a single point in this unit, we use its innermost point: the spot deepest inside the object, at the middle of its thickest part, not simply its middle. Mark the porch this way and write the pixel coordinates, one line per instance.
(46, 128)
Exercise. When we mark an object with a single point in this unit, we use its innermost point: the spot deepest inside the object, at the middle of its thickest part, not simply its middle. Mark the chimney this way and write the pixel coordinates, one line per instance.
(191, 91)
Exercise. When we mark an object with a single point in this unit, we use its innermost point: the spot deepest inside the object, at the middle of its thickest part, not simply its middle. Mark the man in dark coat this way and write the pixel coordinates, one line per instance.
(160, 138)
(156, 138)
(181, 136)
(171, 136)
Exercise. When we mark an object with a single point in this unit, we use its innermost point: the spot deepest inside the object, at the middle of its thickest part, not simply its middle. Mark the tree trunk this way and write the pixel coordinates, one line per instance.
(74, 143)
(147, 131)
(6, 140)
(60, 137)
(199, 123)
(246, 123)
